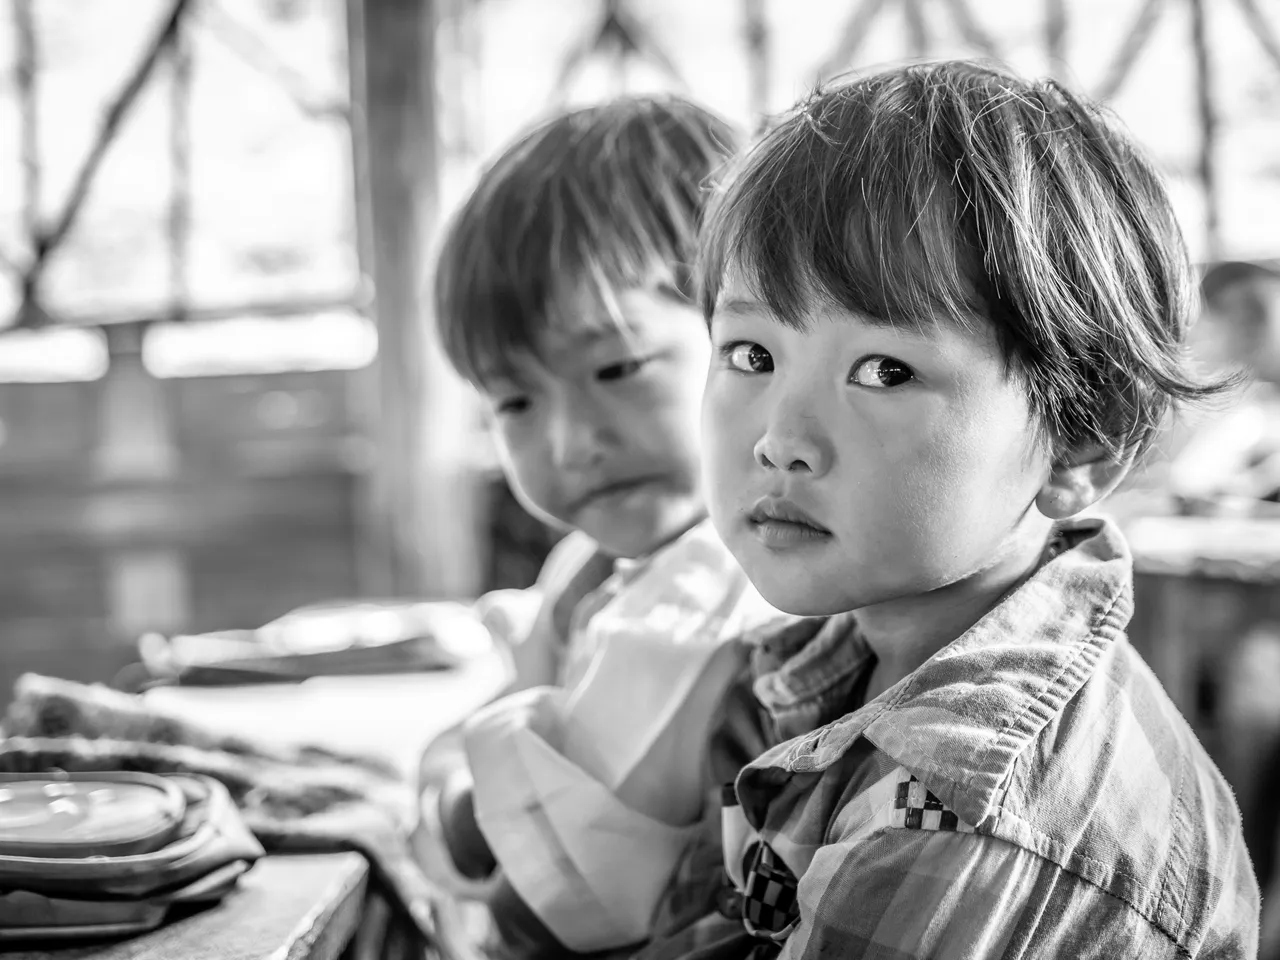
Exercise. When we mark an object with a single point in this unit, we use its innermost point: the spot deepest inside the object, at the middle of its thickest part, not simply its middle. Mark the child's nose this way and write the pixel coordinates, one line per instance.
(794, 442)
(578, 441)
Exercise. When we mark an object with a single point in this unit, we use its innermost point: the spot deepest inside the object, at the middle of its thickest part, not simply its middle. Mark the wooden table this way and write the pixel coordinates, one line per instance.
(303, 907)
(285, 908)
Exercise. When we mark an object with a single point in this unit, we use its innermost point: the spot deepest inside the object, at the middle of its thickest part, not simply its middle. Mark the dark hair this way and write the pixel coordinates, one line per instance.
(955, 190)
(598, 199)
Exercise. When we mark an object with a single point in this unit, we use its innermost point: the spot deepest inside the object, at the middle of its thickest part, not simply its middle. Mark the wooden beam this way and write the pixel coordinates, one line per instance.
(759, 62)
(620, 36)
(973, 32)
(357, 301)
(917, 35)
(420, 503)
(242, 41)
(26, 67)
(147, 586)
(45, 240)
(1262, 29)
(1055, 35)
(375, 552)
(179, 222)
(1207, 165)
(851, 37)
(112, 120)
(460, 70)
(1127, 55)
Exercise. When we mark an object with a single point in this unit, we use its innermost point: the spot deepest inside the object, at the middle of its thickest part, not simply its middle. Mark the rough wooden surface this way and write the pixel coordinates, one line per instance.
(285, 908)
(1239, 549)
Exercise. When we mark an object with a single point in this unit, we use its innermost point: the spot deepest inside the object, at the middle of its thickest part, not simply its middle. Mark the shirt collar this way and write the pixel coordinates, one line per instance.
(960, 720)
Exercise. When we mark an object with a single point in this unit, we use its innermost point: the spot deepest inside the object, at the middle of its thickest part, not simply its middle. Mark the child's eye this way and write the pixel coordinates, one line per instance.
(511, 406)
(748, 357)
(880, 371)
(620, 371)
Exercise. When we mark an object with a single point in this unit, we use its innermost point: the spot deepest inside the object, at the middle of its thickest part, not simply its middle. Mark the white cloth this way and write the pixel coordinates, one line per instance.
(589, 794)
(591, 868)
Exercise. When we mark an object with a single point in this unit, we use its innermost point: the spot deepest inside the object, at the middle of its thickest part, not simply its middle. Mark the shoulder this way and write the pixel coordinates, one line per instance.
(1118, 790)
(1105, 780)
(922, 891)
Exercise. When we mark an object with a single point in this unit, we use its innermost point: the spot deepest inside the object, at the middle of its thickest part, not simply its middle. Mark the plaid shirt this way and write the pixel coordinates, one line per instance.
(1029, 791)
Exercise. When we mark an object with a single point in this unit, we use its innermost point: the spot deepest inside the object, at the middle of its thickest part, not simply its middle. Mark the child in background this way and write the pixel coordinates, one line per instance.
(563, 295)
(948, 309)
(1233, 459)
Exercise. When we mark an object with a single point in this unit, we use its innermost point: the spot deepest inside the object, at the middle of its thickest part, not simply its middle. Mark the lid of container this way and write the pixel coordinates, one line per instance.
(76, 815)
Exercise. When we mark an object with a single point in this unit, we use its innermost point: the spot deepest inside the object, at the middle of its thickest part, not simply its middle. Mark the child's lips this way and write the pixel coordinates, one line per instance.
(777, 522)
(610, 491)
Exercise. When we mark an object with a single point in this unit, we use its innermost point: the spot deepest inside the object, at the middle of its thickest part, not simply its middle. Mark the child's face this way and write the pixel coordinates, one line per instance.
(913, 456)
(601, 433)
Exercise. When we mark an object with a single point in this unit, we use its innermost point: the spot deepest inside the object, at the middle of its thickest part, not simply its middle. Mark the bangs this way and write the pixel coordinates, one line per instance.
(558, 285)
(849, 204)
(954, 191)
(593, 203)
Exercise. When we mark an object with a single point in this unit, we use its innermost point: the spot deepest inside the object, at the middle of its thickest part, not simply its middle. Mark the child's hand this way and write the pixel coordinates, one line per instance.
(510, 617)
(462, 837)
(448, 844)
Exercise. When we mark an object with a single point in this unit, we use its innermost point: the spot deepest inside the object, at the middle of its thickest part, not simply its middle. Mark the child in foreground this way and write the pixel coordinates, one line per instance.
(563, 295)
(948, 308)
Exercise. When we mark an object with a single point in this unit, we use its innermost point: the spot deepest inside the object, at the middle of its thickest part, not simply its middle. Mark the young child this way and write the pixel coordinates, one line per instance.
(948, 308)
(563, 295)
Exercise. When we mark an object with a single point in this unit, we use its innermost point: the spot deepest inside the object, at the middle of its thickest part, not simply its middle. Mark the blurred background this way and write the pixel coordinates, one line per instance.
(219, 400)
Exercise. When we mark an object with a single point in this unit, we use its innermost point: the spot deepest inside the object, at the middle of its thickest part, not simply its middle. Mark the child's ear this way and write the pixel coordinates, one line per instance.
(1079, 479)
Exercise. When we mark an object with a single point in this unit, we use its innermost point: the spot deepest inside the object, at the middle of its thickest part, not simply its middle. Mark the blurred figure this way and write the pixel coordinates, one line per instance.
(1237, 452)
(564, 297)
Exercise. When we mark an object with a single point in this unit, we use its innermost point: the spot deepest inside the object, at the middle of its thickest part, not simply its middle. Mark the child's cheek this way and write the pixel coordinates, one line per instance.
(942, 483)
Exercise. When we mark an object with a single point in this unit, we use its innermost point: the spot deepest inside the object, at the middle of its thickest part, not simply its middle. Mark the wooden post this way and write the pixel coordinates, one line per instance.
(25, 69)
(147, 585)
(917, 36)
(1207, 165)
(759, 72)
(1055, 36)
(420, 505)
(1127, 55)
(1261, 29)
(179, 226)
(975, 35)
(26, 73)
(852, 34)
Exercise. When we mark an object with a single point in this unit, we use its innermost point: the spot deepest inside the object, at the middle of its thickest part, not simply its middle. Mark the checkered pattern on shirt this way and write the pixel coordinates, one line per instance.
(769, 905)
(915, 808)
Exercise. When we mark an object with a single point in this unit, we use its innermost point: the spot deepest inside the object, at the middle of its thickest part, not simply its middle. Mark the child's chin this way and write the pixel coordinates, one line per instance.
(647, 527)
(799, 600)
(633, 542)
